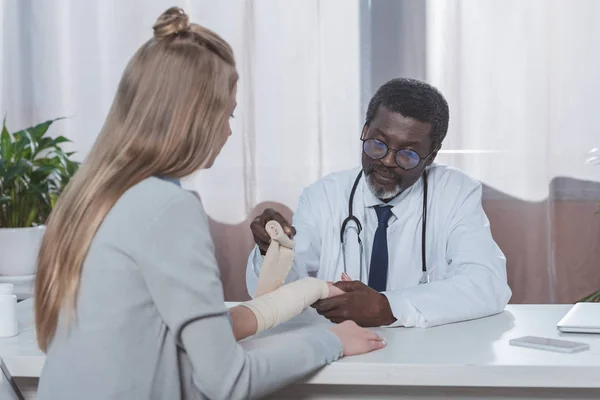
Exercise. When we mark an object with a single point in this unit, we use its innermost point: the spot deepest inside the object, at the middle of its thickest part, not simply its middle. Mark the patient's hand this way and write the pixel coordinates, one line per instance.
(334, 290)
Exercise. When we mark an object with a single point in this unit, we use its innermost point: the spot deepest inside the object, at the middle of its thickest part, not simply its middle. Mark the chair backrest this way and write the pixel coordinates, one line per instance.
(8, 387)
(551, 246)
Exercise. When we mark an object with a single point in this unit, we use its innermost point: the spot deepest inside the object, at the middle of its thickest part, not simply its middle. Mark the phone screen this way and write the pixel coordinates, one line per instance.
(564, 344)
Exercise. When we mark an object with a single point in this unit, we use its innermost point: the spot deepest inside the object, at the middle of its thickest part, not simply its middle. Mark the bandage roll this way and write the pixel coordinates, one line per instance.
(278, 260)
(277, 234)
(288, 301)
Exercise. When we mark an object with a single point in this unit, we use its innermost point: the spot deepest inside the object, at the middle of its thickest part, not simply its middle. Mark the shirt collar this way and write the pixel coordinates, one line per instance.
(172, 180)
(371, 201)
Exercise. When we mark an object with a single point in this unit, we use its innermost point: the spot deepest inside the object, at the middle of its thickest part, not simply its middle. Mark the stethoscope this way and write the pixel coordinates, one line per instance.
(358, 228)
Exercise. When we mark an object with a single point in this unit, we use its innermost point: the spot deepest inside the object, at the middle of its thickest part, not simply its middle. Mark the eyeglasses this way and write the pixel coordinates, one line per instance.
(405, 158)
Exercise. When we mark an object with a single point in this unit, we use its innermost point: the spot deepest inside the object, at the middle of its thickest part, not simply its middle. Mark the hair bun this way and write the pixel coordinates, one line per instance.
(171, 22)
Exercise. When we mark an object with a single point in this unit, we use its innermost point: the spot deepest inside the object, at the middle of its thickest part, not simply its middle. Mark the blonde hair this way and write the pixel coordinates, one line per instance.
(167, 119)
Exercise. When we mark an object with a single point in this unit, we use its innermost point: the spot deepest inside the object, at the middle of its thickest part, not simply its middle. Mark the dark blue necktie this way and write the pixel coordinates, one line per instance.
(379, 256)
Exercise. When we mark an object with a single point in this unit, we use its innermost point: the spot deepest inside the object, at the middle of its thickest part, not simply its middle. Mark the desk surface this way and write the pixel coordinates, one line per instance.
(470, 354)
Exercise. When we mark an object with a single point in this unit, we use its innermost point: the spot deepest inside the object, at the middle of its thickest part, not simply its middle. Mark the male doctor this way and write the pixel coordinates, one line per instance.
(418, 251)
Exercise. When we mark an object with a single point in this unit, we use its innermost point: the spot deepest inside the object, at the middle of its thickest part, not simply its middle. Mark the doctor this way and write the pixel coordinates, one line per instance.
(409, 237)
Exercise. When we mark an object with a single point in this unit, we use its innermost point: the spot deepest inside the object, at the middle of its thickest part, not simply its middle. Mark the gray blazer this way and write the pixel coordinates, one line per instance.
(151, 322)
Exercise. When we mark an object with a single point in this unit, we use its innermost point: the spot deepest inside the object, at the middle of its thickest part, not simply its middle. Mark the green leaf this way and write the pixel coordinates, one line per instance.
(61, 139)
(32, 216)
(591, 298)
(64, 159)
(53, 199)
(26, 146)
(5, 144)
(40, 130)
(46, 170)
(44, 144)
(18, 169)
(72, 167)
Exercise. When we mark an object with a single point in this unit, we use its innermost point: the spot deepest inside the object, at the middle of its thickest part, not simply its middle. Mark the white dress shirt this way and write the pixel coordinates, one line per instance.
(467, 269)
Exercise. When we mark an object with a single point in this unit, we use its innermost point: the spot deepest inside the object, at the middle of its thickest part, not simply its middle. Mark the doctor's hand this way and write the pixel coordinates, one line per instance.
(361, 304)
(261, 237)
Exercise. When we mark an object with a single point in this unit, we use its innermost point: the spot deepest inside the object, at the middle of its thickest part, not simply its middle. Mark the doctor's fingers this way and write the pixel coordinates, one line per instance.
(261, 241)
(263, 246)
(326, 305)
(261, 237)
(271, 215)
(288, 229)
(339, 314)
(350, 285)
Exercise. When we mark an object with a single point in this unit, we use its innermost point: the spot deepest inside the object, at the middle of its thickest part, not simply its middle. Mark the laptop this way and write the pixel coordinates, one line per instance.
(581, 318)
(8, 387)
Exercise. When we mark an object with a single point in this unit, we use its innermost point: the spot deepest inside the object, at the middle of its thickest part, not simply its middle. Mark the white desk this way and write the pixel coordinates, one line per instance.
(466, 360)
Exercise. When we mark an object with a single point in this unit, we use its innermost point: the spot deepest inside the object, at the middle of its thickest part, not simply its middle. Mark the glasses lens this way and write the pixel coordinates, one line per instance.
(375, 148)
(407, 159)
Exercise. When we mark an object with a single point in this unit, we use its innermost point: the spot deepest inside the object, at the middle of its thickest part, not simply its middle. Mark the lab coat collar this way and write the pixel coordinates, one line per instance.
(371, 201)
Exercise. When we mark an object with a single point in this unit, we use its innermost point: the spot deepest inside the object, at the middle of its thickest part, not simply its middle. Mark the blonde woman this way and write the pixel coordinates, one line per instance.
(128, 300)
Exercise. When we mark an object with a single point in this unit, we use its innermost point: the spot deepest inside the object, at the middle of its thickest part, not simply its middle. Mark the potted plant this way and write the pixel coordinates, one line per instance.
(34, 170)
(592, 298)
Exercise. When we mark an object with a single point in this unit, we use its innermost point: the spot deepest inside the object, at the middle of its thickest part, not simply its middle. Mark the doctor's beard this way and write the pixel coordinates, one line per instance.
(382, 193)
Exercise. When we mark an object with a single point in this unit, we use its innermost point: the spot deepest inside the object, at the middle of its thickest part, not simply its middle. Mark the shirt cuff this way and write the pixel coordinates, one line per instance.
(255, 261)
(406, 315)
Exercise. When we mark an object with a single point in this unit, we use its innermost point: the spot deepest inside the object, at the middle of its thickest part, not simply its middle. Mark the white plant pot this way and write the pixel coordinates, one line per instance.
(19, 249)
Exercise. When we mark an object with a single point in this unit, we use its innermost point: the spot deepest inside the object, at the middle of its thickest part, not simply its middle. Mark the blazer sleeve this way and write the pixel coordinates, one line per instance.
(182, 275)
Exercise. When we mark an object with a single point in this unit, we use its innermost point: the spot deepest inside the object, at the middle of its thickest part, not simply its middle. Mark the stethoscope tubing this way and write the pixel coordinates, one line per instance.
(352, 218)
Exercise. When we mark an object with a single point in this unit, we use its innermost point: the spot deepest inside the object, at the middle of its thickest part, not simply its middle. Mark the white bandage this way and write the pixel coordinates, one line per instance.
(278, 260)
(289, 300)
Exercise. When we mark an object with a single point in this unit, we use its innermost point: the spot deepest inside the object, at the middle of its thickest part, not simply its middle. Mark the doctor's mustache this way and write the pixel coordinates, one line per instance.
(381, 170)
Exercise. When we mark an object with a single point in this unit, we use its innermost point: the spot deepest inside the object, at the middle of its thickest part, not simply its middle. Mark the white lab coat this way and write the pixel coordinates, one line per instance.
(467, 268)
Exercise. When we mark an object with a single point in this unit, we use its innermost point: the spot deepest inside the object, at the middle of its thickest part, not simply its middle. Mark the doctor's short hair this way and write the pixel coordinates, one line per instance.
(413, 99)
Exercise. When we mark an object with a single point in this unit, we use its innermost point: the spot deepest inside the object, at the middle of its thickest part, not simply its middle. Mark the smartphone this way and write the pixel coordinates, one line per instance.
(542, 343)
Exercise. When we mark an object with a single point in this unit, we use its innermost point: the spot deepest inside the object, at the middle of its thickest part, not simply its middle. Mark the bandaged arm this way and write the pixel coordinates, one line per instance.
(177, 262)
(276, 307)
(307, 245)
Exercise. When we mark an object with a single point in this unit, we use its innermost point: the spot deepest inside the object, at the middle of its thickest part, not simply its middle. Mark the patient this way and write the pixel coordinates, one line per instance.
(128, 298)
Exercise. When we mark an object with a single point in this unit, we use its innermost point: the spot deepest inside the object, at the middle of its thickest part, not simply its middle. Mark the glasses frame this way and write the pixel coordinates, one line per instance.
(364, 140)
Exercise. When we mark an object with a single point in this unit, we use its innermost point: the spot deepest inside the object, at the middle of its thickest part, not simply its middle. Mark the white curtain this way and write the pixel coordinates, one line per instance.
(298, 95)
(522, 79)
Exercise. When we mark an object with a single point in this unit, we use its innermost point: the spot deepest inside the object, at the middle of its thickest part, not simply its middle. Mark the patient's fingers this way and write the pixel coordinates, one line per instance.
(333, 290)
(373, 336)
